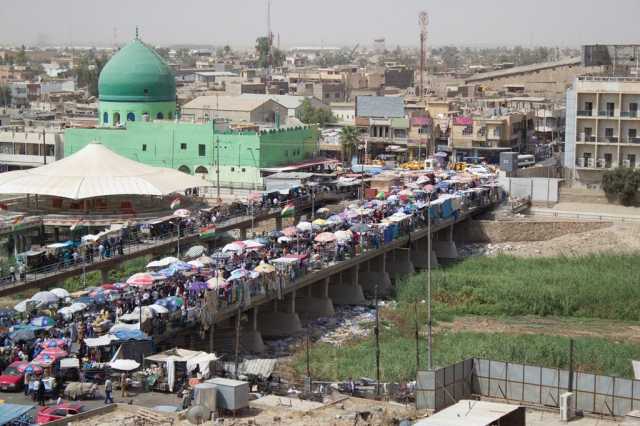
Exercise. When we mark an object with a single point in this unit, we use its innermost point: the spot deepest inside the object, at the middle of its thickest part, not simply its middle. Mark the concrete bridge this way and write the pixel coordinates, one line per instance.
(315, 293)
(54, 275)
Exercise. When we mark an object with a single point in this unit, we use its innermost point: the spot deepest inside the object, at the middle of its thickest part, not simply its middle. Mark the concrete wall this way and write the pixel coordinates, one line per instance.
(537, 188)
(473, 231)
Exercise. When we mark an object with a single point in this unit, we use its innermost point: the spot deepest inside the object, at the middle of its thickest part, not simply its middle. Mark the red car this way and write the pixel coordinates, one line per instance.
(57, 412)
(12, 378)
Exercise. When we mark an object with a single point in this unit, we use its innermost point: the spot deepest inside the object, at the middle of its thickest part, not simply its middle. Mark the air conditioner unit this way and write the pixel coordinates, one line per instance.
(626, 163)
(581, 162)
(567, 406)
(601, 162)
(582, 137)
(591, 163)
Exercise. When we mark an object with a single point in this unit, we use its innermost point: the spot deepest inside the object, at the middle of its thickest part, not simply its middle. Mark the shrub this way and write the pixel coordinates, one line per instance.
(621, 183)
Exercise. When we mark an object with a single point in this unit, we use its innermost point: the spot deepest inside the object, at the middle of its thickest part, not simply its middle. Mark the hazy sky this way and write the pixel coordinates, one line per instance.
(328, 22)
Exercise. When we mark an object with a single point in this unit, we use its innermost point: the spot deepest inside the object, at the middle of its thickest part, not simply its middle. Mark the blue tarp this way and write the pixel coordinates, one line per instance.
(10, 412)
(130, 335)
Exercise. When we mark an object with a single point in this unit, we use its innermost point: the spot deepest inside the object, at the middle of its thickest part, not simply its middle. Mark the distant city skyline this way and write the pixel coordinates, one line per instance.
(331, 22)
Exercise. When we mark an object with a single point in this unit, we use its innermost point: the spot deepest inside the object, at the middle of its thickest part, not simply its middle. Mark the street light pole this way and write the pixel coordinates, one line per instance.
(429, 320)
(218, 169)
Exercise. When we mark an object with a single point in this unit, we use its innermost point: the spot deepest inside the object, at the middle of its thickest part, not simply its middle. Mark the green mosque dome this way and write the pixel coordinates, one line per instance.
(137, 73)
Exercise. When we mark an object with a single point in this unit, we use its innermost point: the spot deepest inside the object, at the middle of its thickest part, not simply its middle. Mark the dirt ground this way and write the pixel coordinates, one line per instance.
(568, 327)
(617, 238)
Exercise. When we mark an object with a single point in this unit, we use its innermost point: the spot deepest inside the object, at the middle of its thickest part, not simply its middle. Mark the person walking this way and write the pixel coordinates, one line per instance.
(108, 390)
(12, 273)
(27, 379)
(41, 392)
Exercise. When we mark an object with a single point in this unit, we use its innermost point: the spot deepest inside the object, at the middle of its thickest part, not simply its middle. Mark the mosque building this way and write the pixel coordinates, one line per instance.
(139, 119)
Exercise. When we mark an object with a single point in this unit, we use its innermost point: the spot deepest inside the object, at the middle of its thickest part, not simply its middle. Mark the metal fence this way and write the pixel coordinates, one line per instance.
(530, 384)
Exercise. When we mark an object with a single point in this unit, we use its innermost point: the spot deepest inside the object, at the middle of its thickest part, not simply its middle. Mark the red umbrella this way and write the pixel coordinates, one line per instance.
(291, 231)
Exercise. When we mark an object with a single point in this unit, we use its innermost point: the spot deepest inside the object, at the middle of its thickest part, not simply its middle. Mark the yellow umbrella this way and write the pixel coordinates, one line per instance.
(265, 268)
(319, 222)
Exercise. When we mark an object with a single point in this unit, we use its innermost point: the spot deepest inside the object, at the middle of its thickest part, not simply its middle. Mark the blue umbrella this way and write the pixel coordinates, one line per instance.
(42, 322)
(167, 272)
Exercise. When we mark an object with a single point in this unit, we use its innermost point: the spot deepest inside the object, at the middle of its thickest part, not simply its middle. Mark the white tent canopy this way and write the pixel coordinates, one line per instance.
(96, 171)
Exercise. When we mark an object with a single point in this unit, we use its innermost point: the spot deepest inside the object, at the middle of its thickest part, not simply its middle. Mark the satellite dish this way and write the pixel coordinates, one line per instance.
(198, 415)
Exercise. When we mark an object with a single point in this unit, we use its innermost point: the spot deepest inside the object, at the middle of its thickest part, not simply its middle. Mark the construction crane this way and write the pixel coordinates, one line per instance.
(423, 20)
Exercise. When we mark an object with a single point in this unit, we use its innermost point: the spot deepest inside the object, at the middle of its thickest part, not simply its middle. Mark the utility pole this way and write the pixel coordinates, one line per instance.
(415, 307)
(218, 169)
(237, 343)
(429, 320)
(423, 20)
(44, 146)
(377, 335)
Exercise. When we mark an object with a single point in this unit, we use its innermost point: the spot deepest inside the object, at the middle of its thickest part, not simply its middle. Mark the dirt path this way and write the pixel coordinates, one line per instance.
(568, 327)
(615, 239)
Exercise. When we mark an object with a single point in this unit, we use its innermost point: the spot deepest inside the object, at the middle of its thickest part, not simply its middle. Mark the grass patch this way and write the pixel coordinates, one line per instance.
(398, 354)
(598, 286)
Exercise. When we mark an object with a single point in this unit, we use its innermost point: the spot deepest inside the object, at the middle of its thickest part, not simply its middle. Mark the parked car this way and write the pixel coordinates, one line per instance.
(12, 378)
(57, 412)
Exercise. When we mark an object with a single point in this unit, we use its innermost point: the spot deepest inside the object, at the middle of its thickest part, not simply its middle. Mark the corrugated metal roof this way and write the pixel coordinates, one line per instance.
(379, 106)
(262, 368)
(469, 413)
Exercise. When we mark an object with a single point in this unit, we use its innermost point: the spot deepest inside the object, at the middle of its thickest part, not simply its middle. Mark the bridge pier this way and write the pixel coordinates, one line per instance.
(374, 273)
(444, 246)
(420, 254)
(279, 223)
(276, 323)
(345, 289)
(243, 234)
(399, 263)
(251, 338)
(312, 306)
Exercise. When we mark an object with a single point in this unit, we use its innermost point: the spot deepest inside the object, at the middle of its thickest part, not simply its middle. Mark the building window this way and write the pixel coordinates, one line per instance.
(144, 147)
(131, 116)
(146, 91)
(202, 150)
(159, 116)
(244, 170)
(183, 146)
(105, 118)
(170, 116)
(116, 118)
(608, 132)
(233, 169)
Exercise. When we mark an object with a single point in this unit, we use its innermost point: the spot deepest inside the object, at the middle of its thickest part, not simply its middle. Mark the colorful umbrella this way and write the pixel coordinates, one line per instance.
(319, 222)
(238, 273)
(60, 292)
(253, 245)
(291, 231)
(196, 264)
(194, 252)
(325, 237)
(236, 247)
(141, 279)
(360, 228)
(304, 227)
(42, 322)
(381, 195)
(343, 235)
(265, 268)
(45, 298)
(182, 213)
(216, 282)
(27, 367)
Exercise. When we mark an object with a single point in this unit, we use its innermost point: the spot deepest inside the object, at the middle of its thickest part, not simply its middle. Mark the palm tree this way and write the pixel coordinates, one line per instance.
(349, 139)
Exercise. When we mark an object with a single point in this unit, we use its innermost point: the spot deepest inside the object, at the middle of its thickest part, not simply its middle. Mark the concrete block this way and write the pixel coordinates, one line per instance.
(314, 307)
(346, 294)
(251, 341)
(445, 249)
(278, 324)
(369, 279)
(420, 259)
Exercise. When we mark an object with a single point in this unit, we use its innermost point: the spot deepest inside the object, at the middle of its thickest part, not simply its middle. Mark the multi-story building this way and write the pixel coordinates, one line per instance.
(383, 123)
(487, 136)
(26, 148)
(603, 126)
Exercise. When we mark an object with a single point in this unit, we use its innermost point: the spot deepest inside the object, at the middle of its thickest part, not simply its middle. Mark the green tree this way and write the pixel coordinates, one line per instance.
(311, 115)
(621, 183)
(88, 73)
(21, 56)
(349, 139)
(5, 96)
(262, 49)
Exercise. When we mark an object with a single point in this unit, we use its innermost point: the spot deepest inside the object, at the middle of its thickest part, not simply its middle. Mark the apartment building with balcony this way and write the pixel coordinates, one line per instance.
(487, 135)
(25, 148)
(603, 126)
(383, 124)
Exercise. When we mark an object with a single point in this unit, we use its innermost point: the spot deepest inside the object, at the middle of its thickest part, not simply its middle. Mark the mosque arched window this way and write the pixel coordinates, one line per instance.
(131, 116)
(159, 116)
(105, 118)
(116, 118)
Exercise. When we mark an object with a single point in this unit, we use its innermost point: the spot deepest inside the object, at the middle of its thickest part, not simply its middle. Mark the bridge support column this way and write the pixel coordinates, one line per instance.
(104, 275)
(445, 247)
(280, 324)
(347, 291)
(279, 223)
(420, 254)
(243, 234)
(312, 306)
(376, 275)
(251, 337)
(400, 264)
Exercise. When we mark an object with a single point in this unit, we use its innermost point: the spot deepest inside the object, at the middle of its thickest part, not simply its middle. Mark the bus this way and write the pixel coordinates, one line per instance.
(526, 160)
